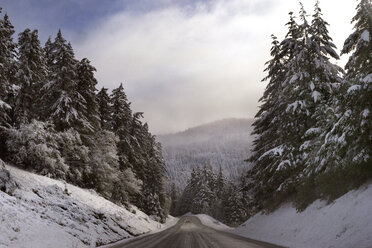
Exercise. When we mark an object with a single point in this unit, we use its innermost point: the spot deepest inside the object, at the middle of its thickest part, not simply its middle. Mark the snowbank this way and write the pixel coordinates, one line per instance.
(170, 221)
(210, 221)
(44, 212)
(345, 223)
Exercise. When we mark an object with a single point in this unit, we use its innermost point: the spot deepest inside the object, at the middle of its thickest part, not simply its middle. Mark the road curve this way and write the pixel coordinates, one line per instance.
(189, 232)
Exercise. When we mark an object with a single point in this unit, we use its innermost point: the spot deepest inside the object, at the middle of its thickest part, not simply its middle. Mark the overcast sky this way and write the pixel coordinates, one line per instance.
(182, 62)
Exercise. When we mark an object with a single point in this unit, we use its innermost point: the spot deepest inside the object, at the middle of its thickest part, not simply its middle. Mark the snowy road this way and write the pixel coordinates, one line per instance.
(189, 232)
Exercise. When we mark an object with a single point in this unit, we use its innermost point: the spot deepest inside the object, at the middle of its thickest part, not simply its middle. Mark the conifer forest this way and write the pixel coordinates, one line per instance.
(307, 149)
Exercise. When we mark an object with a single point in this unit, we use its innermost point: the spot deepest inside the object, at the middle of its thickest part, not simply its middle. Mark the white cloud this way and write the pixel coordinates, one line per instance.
(184, 66)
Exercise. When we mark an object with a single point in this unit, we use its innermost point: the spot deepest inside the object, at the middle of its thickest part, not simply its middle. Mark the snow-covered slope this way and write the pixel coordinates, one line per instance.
(224, 143)
(40, 213)
(212, 222)
(345, 223)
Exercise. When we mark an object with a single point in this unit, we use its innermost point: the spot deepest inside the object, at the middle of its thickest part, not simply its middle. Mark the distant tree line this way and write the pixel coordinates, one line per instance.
(210, 193)
(52, 122)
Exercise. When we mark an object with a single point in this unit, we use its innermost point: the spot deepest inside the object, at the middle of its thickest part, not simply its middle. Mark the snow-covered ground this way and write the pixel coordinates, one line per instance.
(41, 214)
(210, 221)
(345, 223)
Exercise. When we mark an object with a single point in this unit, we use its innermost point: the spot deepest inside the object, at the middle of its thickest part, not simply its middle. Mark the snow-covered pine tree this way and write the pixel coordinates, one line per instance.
(121, 124)
(220, 184)
(220, 191)
(272, 144)
(185, 201)
(48, 51)
(310, 81)
(7, 61)
(104, 109)
(357, 130)
(154, 170)
(322, 79)
(205, 192)
(268, 121)
(61, 97)
(233, 207)
(174, 195)
(31, 76)
(86, 87)
(347, 147)
(11, 64)
(302, 110)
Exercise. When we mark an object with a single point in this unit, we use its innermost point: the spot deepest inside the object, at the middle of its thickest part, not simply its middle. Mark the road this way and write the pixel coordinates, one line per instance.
(189, 232)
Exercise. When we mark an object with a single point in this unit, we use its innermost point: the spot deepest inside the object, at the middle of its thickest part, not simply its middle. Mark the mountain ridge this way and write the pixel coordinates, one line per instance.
(224, 143)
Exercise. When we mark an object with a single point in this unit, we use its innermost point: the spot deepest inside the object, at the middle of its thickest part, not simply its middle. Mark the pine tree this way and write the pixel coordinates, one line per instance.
(233, 206)
(174, 199)
(271, 145)
(220, 184)
(48, 51)
(61, 96)
(323, 82)
(104, 109)
(121, 124)
(86, 87)
(205, 192)
(296, 122)
(347, 145)
(357, 129)
(185, 202)
(268, 119)
(7, 70)
(154, 169)
(31, 76)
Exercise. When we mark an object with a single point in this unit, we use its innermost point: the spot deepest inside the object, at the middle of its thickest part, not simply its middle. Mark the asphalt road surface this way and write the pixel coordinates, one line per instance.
(189, 232)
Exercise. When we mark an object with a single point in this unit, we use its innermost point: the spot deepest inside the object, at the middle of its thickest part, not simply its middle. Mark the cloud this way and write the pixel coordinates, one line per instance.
(185, 65)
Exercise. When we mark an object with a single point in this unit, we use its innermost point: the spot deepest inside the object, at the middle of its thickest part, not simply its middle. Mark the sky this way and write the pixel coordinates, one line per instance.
(182, 62)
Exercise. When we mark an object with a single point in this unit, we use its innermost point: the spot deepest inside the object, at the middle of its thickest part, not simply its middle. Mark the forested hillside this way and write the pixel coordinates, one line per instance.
(53, 122)
(223, 143)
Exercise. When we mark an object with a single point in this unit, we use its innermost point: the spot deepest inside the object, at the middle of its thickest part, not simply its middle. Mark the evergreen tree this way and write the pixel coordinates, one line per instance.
(357, 118)
(347, 147)
(61, 96)
(220, 184)
(205, 194)
(185, 201)
(322, 92)
(271, 145)
(31, 76)
(7, 70)
(86, 87)
(300, 109)
(154, 169)
(269, 118)
(104, 109)
(121, 124)
(48, 51)
(234, 213)
(174, 199)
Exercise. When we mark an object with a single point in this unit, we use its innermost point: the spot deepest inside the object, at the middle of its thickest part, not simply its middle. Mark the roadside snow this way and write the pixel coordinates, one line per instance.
(45, 213)
(169, 222)
(210, 221)
(345, 223)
